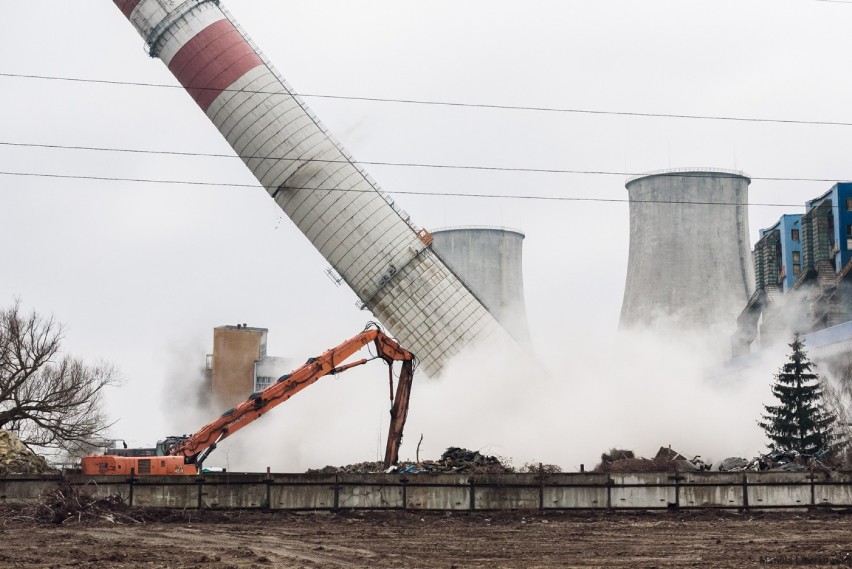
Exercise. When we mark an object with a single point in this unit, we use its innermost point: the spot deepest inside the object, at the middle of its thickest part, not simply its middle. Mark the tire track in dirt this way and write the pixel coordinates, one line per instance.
(244, 546)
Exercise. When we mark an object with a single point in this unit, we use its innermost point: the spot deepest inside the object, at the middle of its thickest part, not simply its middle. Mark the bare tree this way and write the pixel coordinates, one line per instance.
(50, 399)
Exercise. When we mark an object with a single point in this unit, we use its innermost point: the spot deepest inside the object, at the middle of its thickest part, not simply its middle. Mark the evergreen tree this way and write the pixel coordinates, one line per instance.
(800, 422)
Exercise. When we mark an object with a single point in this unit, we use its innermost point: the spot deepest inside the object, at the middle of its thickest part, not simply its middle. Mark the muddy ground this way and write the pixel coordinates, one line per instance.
(237, 540)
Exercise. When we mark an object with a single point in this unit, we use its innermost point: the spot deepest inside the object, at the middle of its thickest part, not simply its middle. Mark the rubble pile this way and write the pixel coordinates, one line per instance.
(539, 467)
(733, 464)
(455, 459)
(666, 460)
(462, 460)
(617, 454)
(636, 465)
(358, 468)
(780, 461)
(16, 458)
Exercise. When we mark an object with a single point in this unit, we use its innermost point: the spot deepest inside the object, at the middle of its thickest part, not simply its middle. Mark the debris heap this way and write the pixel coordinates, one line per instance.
(357, 468)
(462, 460)
(16, 458)
(666, 460)
(70, 502)
(455, 459)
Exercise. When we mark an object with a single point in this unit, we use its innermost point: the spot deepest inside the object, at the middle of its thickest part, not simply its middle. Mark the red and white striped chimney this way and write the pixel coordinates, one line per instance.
(370, 243)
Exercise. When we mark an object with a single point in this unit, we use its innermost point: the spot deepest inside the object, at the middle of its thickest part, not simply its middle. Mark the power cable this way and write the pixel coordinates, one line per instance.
(402, 164)
(445, 103)
(403, 192)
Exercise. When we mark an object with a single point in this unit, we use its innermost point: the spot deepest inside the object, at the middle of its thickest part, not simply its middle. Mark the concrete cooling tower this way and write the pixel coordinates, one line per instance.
(490, 261)
(689, 259)
(370, 242)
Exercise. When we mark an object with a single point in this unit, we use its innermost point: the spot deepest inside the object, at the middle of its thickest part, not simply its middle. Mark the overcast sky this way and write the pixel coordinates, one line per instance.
(140, 273)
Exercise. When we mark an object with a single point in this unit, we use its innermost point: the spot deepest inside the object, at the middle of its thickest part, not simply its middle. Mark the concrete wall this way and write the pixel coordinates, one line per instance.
(490, 261)
(690, 259)
(455, 492)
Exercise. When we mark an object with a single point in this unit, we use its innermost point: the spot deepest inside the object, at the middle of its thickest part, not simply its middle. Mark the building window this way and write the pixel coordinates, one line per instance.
(262, 382)
(848, 204)
(797, 263)
(794, 234)
(849, 236)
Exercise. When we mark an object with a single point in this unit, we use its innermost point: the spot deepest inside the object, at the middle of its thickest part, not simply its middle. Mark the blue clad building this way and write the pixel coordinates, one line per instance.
(789, 254)
(810, 254)
(840, 221)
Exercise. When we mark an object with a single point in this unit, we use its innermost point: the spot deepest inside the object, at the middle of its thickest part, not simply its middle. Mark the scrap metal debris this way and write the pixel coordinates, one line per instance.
(455, 459)
(462, 460)
(666, 460)
(778, 461)
(733, 464)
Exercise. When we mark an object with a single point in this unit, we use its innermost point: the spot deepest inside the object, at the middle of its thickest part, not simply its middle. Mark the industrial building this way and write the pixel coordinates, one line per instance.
(802, 264)
(689, 259)
(490, 262)
(371, 244)
(778, 254)
(239, 364)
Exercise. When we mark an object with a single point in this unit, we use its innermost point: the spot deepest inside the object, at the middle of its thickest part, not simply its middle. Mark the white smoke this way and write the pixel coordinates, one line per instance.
(633, 389)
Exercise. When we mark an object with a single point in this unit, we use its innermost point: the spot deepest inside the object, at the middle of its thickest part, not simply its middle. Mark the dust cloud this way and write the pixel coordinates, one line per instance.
(638, 389)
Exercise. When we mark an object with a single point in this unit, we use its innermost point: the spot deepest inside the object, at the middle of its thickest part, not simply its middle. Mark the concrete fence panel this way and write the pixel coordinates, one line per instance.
(305, 497)
(15, 489)
(424, 497)
(233, 495)
(166, 495)
(834, 490)
(507, 497)
(576, 491)
(779, 489)
(452, 492)
(373, 497)
(647, 490)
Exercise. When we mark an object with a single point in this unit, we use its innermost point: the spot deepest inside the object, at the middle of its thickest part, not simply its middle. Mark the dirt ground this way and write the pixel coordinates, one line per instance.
(237, 540)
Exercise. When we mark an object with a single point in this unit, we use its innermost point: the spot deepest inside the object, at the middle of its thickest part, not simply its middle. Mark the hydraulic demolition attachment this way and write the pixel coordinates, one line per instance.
(185, 454)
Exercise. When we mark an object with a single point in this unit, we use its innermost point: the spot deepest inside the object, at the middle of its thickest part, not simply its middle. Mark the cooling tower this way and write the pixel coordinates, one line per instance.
(690, 259)
(490, 261)
(370, 242)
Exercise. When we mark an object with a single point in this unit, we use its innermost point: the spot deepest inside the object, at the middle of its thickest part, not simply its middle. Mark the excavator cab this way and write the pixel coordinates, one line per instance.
(166, 445)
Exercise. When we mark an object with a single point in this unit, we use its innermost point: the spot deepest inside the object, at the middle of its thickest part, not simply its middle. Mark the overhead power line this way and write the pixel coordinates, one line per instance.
(448, 103)
(403, 192)
(394, 164)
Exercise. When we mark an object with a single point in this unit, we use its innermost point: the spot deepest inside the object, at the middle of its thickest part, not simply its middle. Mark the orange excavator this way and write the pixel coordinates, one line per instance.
(185, 454)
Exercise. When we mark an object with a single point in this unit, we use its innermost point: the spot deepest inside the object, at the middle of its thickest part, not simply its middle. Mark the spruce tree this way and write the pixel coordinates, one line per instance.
(800, 422)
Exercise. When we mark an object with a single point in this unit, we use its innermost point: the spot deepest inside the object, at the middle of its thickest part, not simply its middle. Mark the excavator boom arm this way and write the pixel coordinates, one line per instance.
(330, 362)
